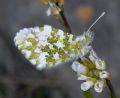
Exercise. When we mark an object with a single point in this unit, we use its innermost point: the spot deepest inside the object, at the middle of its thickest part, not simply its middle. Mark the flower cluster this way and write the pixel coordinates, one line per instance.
(92, 70)
(47, 46)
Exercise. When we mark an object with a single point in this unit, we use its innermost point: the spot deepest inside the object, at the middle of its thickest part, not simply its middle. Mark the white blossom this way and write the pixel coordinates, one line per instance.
(82, 77)
(79, 68)
(104, 74)
(100, 64)
(86, 85)
(48, 12)
(92, 71)
(93, 57)
(99, 86)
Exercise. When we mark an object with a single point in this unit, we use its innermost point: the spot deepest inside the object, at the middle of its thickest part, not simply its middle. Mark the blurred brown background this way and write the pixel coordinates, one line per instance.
(19, 79)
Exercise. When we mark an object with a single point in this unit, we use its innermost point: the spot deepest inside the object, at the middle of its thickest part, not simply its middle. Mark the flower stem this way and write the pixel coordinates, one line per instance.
(112, 92)
(66, 24)
(88, 94)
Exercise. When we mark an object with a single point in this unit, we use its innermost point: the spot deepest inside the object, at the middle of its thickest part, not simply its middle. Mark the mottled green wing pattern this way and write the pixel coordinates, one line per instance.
(47, 46)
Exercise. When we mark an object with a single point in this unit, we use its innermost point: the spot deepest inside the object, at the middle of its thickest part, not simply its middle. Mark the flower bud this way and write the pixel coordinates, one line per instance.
(99, 86)
(86, 85)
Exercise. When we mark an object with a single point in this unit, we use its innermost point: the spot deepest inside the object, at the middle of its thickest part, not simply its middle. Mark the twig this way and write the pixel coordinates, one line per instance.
(112, 92)
(66, 24)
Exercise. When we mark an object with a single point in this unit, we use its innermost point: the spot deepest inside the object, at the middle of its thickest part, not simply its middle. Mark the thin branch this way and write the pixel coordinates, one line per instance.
(112, 92)
(66, 24)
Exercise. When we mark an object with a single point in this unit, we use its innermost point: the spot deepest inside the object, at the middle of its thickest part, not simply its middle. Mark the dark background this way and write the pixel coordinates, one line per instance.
(19, 79)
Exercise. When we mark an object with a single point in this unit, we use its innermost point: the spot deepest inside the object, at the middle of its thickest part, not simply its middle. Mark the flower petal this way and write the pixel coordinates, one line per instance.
(79, 68)
(48, 12)
(104, 74)
(100, 64)
(82, 77)
(86, 85)
(99, 86)
(93, 57)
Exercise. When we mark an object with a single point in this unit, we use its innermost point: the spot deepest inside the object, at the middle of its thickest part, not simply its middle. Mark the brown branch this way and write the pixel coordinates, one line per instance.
(66, 24)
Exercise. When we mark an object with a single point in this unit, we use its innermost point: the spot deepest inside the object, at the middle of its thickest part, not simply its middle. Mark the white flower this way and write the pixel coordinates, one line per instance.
(99, 86)
(61, 34)
(100, 64)
(56, 56)
(48, 12)
(104, 74)
(59, 44)
(82, 77)
(93, 57)
(92, 71)
(86, 85)
(79, 68)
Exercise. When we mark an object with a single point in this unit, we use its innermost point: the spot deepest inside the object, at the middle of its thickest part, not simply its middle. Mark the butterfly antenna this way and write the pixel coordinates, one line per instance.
(96, 21)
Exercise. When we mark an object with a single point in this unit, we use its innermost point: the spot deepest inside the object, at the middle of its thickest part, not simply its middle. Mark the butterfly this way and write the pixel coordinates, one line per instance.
(47, 46)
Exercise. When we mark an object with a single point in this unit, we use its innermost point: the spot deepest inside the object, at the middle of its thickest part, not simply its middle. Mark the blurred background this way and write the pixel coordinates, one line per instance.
(19, 79)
